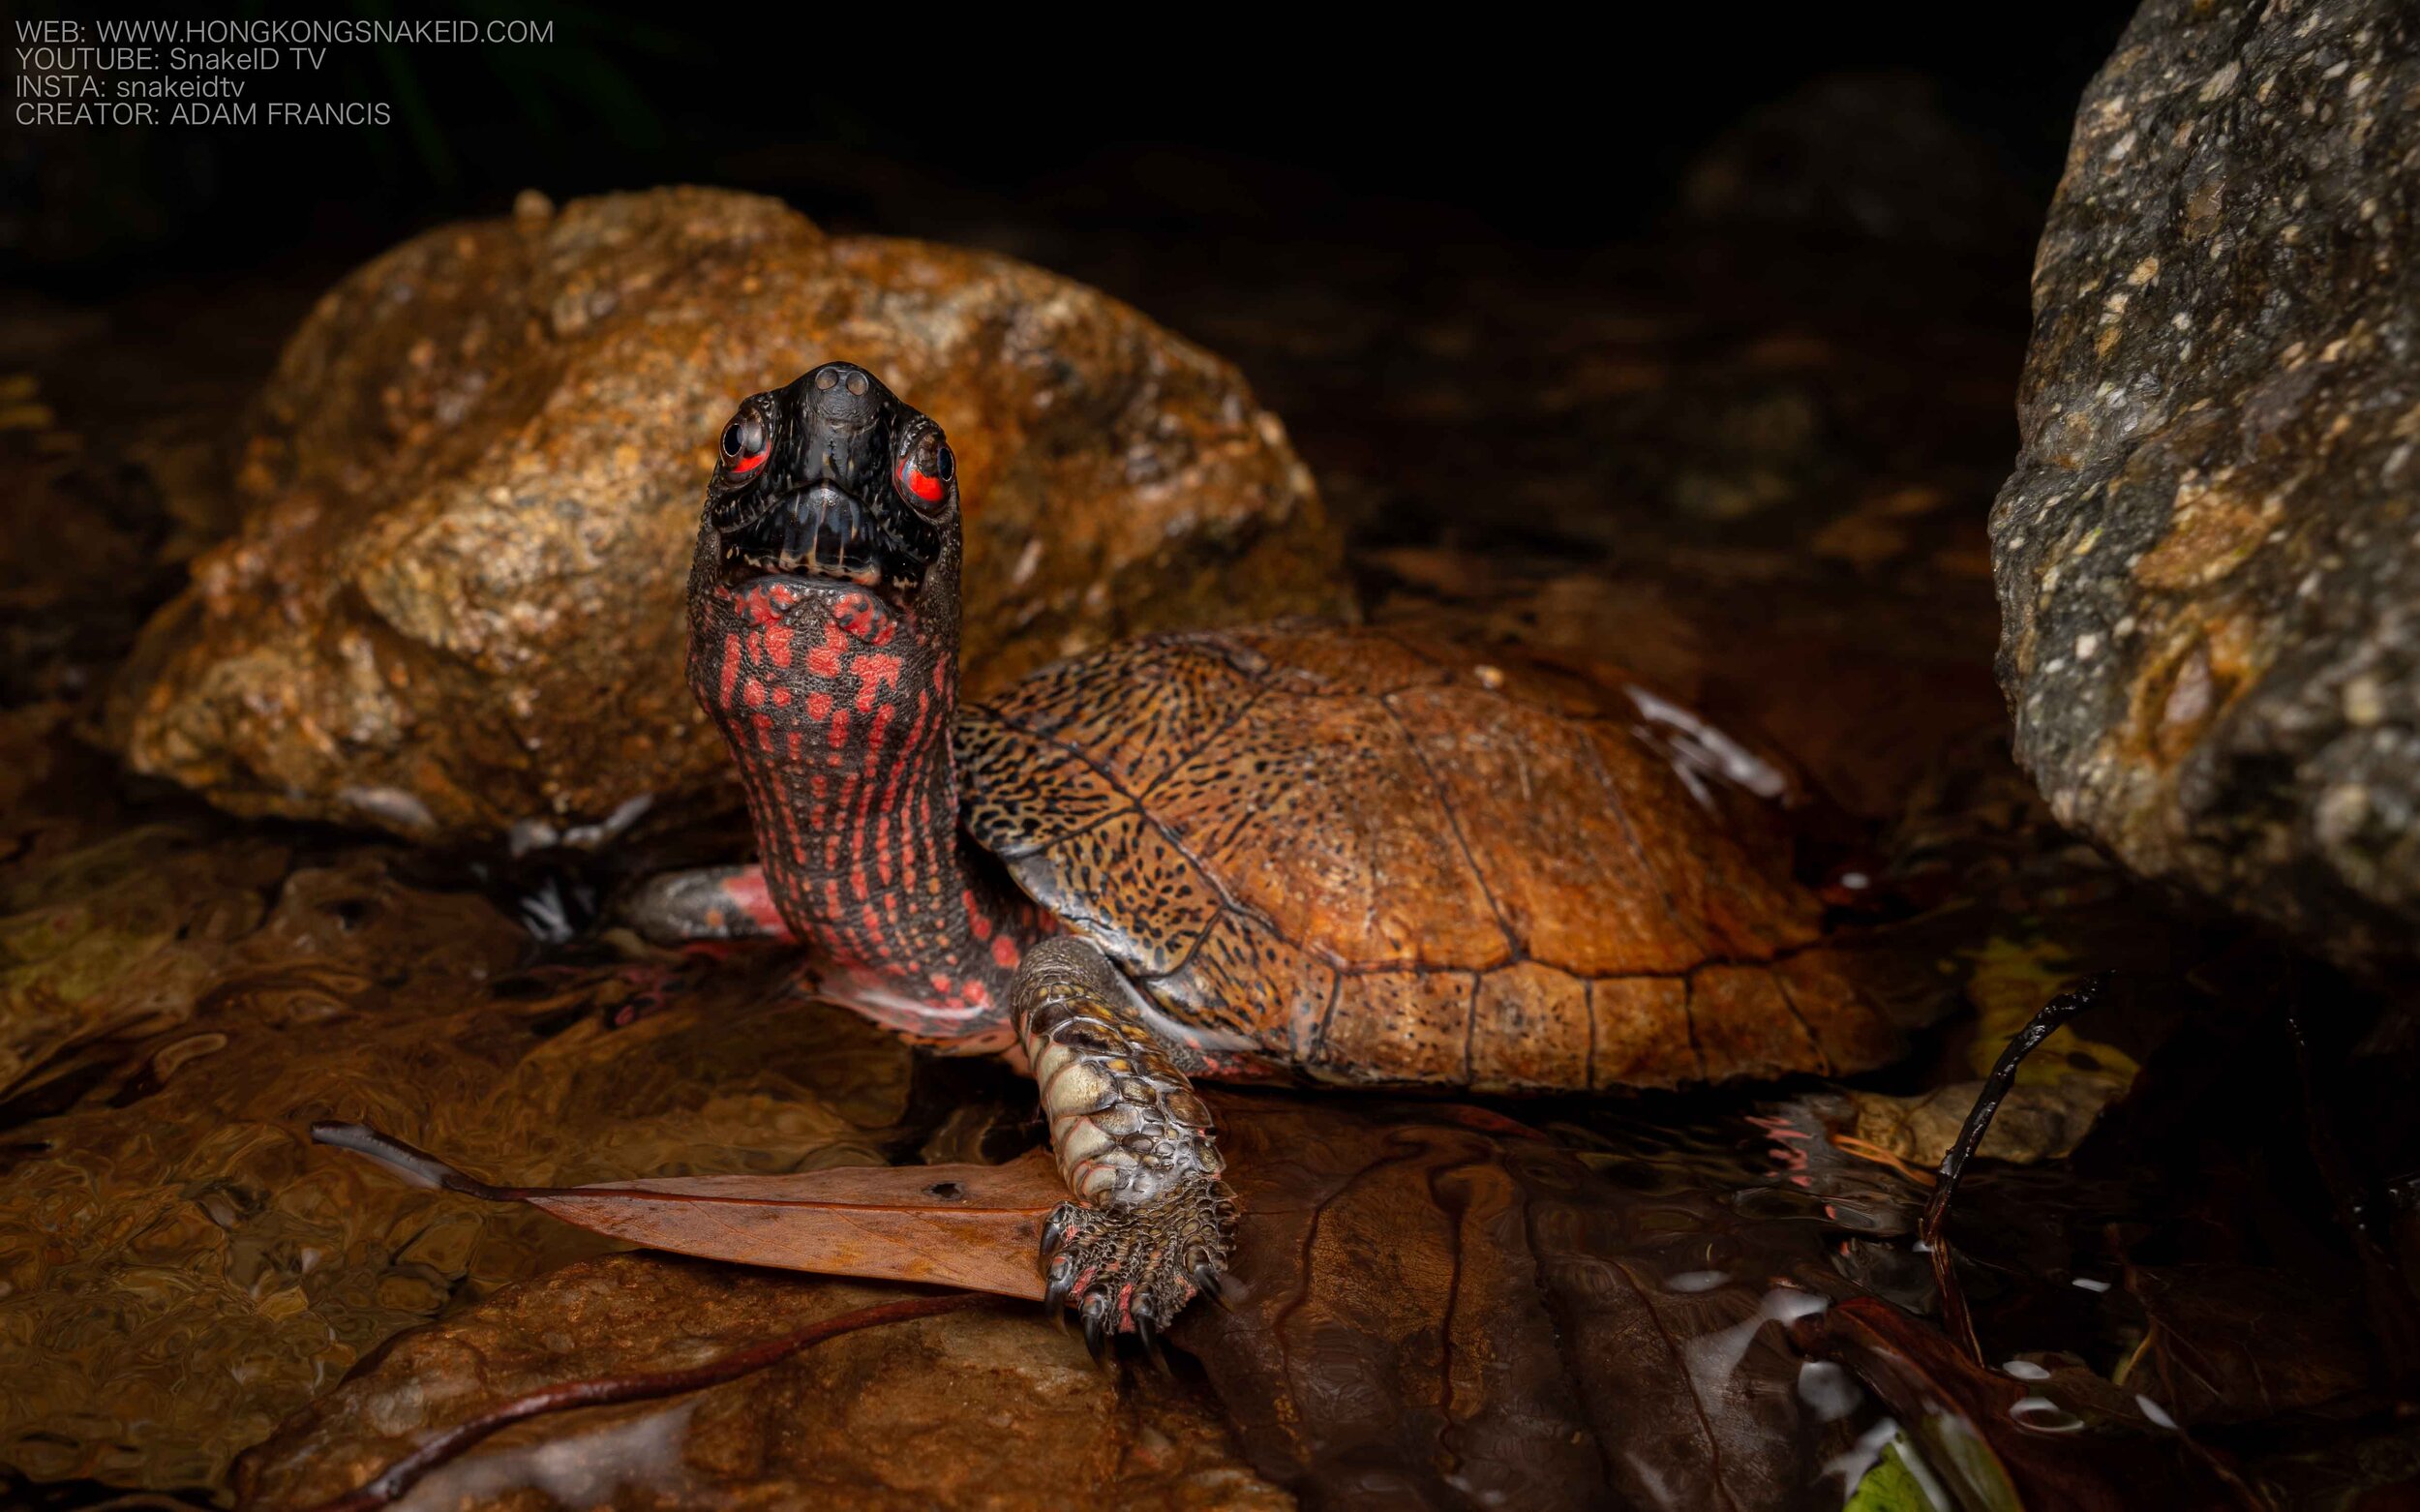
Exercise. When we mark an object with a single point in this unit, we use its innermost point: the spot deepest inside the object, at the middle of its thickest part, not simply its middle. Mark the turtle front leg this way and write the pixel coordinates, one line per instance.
(1150, 1222)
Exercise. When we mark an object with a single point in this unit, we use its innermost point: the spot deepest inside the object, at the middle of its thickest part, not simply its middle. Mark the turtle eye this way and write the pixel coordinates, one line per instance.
(748, 440)
(923, 471)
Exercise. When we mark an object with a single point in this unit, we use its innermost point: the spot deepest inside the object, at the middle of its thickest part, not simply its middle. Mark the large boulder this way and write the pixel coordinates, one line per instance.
(454, 604)
(2207, 561)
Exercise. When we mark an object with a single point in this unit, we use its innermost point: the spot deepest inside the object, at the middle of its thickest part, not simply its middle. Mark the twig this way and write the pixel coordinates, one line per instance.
(1955, 1318)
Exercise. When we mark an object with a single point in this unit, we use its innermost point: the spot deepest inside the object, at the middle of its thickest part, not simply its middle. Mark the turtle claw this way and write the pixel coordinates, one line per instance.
(1096, 1327)
(1132, 1269)
(1210, 1281)
(1147, 1330)
(1062, 1287)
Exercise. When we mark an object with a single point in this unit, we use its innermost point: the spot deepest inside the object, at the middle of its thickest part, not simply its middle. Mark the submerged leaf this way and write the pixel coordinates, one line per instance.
(2238, 1343)
(2037, 1122)
(1438, 1305)
(2010, 981)
(2061, 1090)
(1891, 1486)
(2066, 1440)
(1442, 1309)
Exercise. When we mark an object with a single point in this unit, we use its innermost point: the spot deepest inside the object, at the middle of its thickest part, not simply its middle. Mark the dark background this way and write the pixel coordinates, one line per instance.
(1210, 122)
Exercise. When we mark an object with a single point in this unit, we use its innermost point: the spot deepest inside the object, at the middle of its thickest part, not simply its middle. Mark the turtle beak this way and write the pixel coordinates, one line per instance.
(820, 530)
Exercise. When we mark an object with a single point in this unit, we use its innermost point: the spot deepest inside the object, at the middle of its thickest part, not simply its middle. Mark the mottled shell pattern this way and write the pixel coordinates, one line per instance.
(1375, 859)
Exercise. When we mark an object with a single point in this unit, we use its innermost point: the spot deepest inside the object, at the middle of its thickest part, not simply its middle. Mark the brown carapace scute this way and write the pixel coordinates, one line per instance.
(1378, 858)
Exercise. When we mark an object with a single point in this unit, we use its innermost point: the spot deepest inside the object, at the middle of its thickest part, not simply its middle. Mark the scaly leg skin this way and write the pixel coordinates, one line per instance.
(1149, 1226)
(709, 903)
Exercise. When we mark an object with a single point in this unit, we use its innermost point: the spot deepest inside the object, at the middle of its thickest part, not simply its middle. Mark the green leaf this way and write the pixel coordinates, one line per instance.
(1891, 1486)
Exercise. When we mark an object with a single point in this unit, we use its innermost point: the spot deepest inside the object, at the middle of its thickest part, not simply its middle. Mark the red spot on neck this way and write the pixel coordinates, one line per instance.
(841, 727)
(824, 660)
(877, 671)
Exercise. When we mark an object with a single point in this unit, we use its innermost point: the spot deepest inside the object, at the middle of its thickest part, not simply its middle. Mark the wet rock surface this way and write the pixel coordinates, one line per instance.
(2206, 555)
(453, 605)
(985, 1411)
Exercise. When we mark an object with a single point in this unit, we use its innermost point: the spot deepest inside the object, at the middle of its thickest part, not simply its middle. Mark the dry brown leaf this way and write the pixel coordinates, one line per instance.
(975, 1226)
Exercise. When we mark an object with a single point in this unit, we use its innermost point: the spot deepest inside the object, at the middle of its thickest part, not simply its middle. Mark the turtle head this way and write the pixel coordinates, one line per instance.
(827, 493)
(824, 646)
(824, 589)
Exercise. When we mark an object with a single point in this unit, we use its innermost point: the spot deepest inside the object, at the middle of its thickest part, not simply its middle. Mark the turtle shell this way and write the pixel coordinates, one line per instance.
(1378, 859)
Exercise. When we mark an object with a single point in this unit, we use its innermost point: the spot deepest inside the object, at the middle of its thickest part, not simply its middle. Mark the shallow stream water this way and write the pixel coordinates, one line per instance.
(1758, 487)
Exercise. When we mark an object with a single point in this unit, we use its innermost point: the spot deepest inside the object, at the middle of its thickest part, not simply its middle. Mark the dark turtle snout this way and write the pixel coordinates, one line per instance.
(845, 396)
(832, 476)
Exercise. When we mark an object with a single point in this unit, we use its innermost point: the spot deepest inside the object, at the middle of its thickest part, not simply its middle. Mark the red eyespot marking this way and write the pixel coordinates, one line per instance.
(748, 440)
(914, 480)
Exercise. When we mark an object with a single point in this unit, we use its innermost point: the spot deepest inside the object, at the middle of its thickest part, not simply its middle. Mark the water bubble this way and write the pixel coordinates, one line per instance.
(2044, 1417)
(1829, 1391)
(1714, 1357)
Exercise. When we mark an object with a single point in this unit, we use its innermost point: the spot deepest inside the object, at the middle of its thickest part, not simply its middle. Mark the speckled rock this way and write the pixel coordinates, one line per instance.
(2207, 562)
(454, 604)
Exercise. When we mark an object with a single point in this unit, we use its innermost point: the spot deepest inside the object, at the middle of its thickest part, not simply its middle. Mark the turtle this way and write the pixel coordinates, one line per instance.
(1319, 852)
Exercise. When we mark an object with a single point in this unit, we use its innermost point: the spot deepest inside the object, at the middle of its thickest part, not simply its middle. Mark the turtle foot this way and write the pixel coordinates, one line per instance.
(1132, 1269)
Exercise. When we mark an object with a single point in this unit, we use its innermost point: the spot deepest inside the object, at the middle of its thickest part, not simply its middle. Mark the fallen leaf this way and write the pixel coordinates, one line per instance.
(2063, 1439)
(2239, 1344)
(974, 1226)
(1442, 1309)
(2010, 982)
(1891, 1485)
(2037, 1122)
(1436, 1306)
